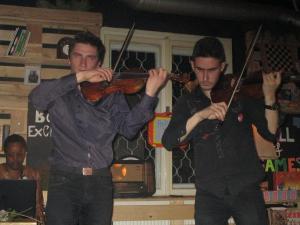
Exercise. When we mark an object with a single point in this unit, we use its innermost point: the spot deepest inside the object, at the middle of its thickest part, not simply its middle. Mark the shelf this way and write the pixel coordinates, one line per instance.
(33, 60)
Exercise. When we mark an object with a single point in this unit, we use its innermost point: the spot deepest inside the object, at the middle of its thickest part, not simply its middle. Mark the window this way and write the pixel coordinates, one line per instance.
(174, 170)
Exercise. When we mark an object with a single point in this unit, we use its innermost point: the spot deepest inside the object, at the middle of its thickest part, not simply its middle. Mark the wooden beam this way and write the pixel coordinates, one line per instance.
(36, 33)
(13, 102)
(14, 89)
(34, 60)
(152, 212)
(43, 16)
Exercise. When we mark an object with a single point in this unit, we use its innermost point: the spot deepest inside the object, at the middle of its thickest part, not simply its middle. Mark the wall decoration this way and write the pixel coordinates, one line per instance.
(32, 75)
(63, 47)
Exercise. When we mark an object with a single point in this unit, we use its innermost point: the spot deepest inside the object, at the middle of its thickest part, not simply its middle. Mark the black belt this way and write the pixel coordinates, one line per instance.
(85, 171)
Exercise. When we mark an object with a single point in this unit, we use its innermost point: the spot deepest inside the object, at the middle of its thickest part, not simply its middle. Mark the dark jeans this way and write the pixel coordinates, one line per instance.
(76, 199)
(246, 208)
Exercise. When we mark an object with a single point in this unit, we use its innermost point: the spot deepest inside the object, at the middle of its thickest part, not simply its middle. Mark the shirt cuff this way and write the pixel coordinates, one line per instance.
(149, 102)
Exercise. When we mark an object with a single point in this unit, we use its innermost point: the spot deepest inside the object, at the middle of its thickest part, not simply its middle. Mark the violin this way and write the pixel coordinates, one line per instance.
(249, 87)
(224, 88)
(223, 91)
(125, 82)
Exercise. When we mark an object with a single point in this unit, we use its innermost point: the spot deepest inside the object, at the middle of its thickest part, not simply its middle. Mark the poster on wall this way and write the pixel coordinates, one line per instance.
(39, 142)
(156, 128)
(288, 151)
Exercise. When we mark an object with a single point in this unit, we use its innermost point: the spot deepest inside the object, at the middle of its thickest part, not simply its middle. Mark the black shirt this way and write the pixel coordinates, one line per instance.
(225, 158)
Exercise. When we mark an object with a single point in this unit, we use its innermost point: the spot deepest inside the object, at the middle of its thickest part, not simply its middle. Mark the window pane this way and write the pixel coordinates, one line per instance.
(137, 147)
(182, 160)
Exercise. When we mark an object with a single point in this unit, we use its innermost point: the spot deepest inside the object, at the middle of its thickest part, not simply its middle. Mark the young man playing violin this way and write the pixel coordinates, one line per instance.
(228, 170)
(80, 182)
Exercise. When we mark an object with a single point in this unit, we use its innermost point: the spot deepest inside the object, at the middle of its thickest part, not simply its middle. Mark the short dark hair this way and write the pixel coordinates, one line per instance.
(14, 138)
(87, 37)
(209, 47)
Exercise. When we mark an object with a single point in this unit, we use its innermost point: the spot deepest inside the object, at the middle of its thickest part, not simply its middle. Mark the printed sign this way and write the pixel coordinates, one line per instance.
(39, 142)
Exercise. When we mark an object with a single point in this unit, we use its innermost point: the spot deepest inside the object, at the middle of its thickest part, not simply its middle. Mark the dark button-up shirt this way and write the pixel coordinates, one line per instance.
(225, 158)
(82, 132)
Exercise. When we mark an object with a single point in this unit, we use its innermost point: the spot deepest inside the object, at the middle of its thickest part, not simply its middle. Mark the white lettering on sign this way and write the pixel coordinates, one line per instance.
(40, 117)
(286, 137)
(34, 131)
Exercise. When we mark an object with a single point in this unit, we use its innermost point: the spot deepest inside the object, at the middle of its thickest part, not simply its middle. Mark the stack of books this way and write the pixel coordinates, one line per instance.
(18, 42)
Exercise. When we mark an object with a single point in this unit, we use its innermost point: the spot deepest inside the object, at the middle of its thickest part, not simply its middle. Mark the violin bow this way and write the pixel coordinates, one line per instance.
(249, 54)
(125, 45)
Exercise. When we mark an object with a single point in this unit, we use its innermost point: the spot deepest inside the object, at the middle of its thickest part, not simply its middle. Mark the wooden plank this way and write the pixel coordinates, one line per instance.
(14, 102)
(48, 73)
(152, 212)
(36, 33)
(14, 89)
(155, 199)
(49, 53)
(65, 26)
(34, 50)
(177, 222)
(95, 30)
(53, 15)
(18, 72)
(18, 123)
(53, 38)
(6, 35)
(3, 49)
(34, 60)
(11, 71)
(11, 21)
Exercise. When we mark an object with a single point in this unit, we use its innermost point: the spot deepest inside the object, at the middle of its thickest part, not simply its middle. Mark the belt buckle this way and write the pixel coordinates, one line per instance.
(87, 171)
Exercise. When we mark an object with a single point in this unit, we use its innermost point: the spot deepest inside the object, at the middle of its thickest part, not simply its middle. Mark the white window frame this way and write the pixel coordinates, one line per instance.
(163, 44)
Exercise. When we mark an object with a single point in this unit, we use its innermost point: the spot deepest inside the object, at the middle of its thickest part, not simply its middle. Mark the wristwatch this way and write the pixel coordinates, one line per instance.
(274, 106)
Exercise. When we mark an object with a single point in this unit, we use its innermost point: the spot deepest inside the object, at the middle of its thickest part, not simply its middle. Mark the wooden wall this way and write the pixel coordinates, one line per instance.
(47, 27)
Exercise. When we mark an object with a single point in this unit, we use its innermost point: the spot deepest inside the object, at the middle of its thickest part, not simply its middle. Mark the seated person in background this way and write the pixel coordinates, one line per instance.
(15, 149)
